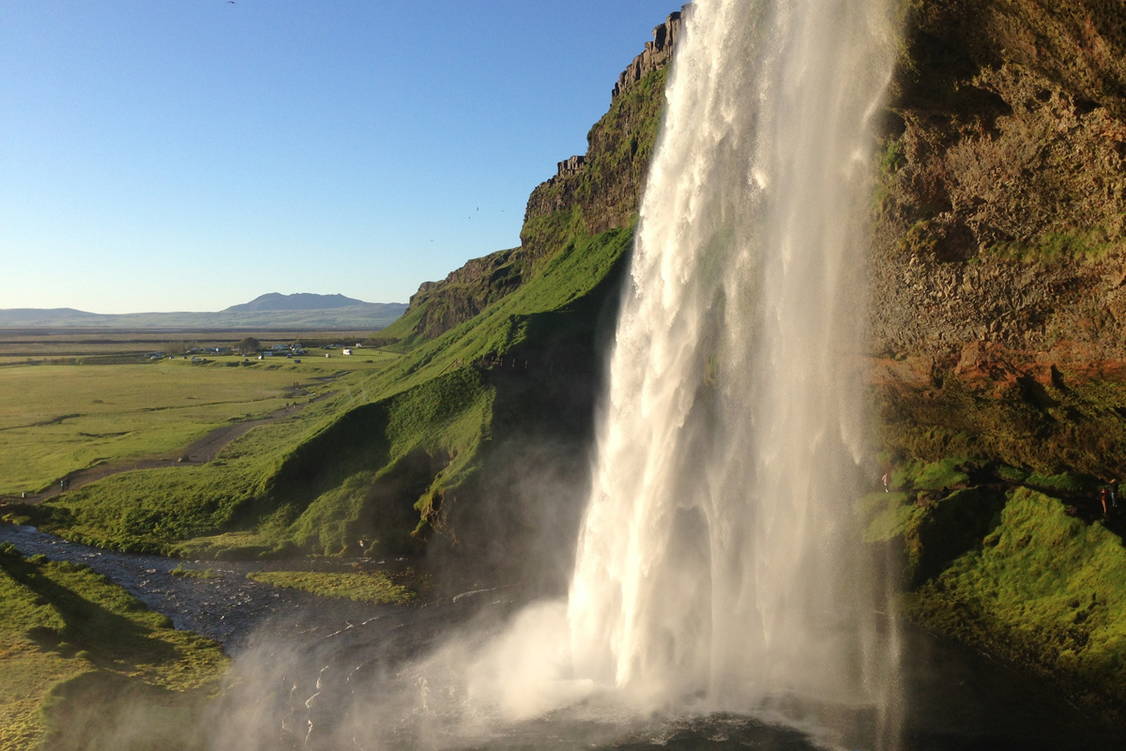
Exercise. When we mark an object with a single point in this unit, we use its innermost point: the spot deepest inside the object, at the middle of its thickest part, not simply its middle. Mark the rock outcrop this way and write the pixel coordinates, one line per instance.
(465, 292)
(656, 55)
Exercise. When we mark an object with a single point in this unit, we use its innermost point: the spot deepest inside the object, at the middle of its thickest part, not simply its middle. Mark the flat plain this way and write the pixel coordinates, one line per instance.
(58, 417)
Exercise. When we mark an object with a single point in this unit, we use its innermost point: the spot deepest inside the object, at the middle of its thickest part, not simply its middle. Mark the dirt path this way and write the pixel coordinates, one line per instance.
(199, 452)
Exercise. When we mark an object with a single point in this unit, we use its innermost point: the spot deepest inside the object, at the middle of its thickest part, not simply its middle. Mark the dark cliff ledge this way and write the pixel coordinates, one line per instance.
(465, 292)
(589, 194)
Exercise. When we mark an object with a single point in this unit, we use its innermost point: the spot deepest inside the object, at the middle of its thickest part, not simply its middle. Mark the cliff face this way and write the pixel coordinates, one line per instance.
(439, 306)
(588, 195)
(1003, 186)
(604, 186)
(999, 263)
(998, 322)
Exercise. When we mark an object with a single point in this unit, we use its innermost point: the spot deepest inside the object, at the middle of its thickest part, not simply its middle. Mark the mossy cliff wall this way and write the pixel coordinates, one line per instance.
(998, 331)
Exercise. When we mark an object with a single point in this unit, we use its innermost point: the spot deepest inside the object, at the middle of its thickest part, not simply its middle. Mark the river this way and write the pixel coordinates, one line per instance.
(338, 656)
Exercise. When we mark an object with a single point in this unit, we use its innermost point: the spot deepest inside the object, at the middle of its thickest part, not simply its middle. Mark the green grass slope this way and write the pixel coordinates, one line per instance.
(373, 469)
(384, 477)
(1009, 570)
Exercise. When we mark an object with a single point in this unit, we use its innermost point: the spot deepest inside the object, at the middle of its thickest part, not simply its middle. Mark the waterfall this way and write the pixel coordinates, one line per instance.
(719, 558)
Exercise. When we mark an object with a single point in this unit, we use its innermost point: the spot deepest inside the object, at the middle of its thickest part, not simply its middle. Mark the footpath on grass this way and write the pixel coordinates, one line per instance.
(200, 451)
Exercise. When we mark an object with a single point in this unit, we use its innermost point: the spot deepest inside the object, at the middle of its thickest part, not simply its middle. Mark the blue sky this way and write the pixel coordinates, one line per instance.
(193, 154)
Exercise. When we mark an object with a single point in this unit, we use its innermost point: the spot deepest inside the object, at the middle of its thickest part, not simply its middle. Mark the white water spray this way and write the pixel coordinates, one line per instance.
(719, 558)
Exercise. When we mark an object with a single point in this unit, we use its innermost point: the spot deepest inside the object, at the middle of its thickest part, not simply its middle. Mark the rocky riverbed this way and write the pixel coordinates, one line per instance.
(223, 604)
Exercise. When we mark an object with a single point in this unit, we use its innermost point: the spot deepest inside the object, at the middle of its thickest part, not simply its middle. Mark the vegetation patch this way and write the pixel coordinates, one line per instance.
(1059, 247)
(995, 511)
(1062, 426)
(193, 573)
(1043, 589)
(369, 586)
(155, 510)
(58, 419)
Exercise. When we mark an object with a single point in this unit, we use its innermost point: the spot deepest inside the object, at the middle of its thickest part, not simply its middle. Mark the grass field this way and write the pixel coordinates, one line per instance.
(59, 418)
(158, 453)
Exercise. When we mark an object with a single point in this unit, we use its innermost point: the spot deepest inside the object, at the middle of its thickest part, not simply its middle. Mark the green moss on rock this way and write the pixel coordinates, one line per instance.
(1043, 589)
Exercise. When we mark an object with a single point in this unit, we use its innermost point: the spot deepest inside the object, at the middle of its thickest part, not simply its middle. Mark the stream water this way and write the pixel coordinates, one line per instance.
(225, 606)
(310, 665)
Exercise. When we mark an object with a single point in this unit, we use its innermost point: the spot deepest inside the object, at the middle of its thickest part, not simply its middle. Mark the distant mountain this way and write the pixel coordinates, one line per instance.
(28, 316)
(297, 301)
(270, 311)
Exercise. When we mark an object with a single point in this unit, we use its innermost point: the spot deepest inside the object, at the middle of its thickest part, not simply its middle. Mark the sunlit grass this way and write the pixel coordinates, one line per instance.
(1044, 589)
(60, 418)
(371, 586)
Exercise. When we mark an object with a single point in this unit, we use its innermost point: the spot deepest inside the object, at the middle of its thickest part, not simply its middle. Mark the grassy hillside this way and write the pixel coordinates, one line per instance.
(1013, 570)
(497, 379)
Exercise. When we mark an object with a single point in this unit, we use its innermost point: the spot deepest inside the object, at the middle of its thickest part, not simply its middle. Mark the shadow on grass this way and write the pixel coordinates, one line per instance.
(956, 525)
(109, 640)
